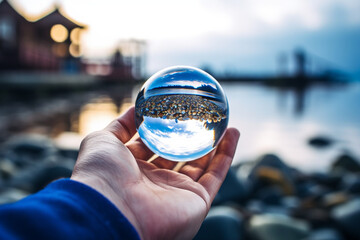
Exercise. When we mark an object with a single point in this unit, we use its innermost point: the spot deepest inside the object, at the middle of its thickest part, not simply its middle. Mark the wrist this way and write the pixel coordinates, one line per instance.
(115, 197)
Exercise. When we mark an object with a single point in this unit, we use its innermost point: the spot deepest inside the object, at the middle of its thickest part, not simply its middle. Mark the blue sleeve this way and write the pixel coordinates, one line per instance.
(65, 209)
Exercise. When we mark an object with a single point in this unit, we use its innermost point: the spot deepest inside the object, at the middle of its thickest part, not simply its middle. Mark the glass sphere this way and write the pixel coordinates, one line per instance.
(181, 113)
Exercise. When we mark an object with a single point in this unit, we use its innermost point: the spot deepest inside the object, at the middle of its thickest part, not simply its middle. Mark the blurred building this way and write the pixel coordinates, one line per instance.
(52, 43)
(134, 54)
(126, 63)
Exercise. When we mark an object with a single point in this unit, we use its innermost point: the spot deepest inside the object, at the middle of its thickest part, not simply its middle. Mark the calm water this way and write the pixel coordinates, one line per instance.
(273, 120)
(270, 120)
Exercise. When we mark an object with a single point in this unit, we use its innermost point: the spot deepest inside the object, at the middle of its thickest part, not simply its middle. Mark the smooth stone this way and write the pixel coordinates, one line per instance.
(290, 202)
(320, 141)
(68, 153)
(278, 210)
(255, 206)
(355, 187)
(303, 189)
(258, 207)
(271, 169)
(311, 189)
(12, 195)
(232, 189)
(351, 184)
(34, 178)
(29, 149)
(318, 217)
(222, 222)
(326, 179)
(345, 163)
(272, 160)
(334, 199)
(308, 189)
(347, 217)
(270, 195)
(279, 227)
(325, 234)
(244, 170)
(50, 174)
(7, 169)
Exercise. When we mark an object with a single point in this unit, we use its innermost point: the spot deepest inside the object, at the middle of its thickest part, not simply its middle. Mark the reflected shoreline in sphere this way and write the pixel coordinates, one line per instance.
(181, 113)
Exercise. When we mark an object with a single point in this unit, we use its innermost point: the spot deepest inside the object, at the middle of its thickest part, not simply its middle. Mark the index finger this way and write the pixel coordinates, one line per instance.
(124, 126)
(215, 174)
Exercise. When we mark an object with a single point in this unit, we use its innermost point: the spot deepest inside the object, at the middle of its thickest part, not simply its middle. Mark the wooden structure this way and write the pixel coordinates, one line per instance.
(49, 44)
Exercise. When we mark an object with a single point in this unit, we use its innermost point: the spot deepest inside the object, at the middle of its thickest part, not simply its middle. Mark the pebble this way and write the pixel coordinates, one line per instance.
(345, 164)
(320, 141)
(271, 195)
(12, 195)
(347, 217)
(291, 202)
(28, 163)
(325, 234)
(181, 107)
(29, 149)
(263, 199)
(222, 222)
(232, 189)
(271, 169)
(335, 198)
(351, 184)
(279, 227)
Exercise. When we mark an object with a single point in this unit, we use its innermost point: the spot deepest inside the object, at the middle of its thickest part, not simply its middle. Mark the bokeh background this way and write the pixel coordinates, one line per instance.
(290, 69)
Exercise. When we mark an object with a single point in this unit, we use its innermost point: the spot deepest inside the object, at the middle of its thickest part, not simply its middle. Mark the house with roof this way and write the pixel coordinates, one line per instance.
(49, 44)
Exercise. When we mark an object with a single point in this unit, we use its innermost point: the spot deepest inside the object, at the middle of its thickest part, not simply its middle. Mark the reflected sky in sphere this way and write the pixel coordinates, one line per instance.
(181, 113)
(190, 138)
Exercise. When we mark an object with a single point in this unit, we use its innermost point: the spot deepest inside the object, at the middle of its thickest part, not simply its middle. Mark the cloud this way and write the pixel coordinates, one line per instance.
(244, 35)
(261, 16)
(192, 83)
(186, 138)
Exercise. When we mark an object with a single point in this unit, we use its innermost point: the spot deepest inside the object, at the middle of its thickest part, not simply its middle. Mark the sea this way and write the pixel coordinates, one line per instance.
(281, 121)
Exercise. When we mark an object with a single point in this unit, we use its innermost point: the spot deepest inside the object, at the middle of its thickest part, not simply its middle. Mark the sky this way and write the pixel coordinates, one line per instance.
(228, 37)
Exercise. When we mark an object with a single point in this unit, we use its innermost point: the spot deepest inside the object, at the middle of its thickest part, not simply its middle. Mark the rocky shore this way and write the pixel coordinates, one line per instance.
(28, 162)
(268, 200)
(180, 107)
(264, 199)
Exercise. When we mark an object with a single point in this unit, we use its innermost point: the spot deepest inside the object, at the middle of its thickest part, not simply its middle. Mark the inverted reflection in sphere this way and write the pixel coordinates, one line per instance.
(181, 113)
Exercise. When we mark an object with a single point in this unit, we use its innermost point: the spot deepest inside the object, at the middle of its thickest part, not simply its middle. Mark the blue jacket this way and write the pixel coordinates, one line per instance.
(65, 209)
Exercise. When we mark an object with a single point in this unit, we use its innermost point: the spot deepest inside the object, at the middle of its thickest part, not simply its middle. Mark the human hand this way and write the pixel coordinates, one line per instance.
(159, 202)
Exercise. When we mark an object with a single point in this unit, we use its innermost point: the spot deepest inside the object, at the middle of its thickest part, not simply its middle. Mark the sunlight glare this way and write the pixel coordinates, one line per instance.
(96, 116)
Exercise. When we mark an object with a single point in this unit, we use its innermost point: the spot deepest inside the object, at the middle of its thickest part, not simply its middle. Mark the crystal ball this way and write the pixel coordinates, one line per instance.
(181, 113)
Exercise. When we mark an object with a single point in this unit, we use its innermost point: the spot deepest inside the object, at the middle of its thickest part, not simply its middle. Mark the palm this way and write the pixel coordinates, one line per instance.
(163, 190)
(158, 201)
